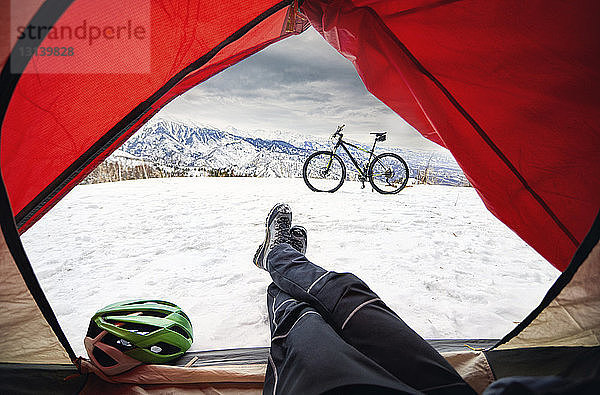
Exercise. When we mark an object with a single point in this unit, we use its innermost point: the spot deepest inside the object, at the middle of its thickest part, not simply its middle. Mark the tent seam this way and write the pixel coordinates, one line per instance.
(429, 6)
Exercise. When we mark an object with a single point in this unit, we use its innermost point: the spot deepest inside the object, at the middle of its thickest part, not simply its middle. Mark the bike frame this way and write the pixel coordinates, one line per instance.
(344, 145)
(369, 172)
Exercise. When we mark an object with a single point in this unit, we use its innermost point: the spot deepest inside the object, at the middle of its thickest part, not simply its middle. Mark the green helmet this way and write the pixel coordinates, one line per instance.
(123, 335)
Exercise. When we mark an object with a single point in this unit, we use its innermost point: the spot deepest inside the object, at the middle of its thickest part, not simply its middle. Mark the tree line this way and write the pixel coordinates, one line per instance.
(117, 171)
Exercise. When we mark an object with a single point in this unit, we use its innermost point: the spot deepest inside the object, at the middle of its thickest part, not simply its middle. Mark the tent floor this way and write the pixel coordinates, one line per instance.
(16, 378)
(239, 356)
(33, 378)
(567, 361)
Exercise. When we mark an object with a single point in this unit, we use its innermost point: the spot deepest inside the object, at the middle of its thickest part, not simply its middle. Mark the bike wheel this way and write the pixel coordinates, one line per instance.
(388, 173)
(324, 171)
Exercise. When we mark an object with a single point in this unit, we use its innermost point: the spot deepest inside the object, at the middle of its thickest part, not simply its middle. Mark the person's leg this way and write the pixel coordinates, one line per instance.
(358, 315)
(308, 357)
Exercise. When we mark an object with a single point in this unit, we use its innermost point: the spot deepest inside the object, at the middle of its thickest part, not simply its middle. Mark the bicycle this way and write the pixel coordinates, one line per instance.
(324, 171)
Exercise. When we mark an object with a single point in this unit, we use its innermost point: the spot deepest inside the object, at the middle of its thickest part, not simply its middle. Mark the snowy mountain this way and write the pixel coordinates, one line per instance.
(171, 143)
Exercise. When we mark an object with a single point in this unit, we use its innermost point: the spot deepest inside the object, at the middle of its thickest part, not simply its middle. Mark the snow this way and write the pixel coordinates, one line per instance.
(433, 253)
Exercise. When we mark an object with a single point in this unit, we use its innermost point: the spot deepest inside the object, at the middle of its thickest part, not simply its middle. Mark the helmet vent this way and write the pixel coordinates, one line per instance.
(181, 331)
(164, 302)
(140, 329)
(116, 342)
(159, 314)
(148, 313)
(103, 358)
(151, 302)
(93, 330)
(163, 348)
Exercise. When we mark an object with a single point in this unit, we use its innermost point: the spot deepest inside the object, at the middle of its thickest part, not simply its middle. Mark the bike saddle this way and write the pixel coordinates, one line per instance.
(380, 136)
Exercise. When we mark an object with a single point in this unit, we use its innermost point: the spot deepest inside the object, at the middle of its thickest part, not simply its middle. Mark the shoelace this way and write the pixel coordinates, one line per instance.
(282, 230)
(296, 241)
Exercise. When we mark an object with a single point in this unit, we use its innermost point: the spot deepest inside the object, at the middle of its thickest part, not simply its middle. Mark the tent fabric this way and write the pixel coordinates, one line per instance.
(569, 315)
(572, 362)
(33, 379)
(46, 148)
(511, 89)
(222, 379)
(29, 330)
(26, 335)
(473, 367)
(95, 385)
(167, 374)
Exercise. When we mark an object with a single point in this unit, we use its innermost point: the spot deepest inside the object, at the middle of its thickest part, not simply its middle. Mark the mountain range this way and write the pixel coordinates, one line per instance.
(201, 148)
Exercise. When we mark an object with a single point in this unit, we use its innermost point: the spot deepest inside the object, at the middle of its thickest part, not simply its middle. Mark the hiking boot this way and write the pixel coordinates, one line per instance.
(299, 238)
(278, 226)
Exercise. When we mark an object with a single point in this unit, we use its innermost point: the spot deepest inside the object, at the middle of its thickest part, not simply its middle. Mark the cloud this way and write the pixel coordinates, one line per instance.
(301, 85)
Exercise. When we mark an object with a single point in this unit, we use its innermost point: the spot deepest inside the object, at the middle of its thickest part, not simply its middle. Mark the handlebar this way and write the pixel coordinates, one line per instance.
(338, 132)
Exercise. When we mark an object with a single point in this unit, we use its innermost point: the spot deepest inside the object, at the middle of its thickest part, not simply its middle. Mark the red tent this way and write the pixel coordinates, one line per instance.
(511, 88)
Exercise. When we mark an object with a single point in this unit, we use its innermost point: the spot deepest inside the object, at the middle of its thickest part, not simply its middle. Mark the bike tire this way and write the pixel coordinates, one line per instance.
(316, 162)
(393, 166)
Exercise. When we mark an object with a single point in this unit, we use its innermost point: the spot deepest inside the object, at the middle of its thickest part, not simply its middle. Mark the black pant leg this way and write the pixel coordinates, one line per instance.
(308, 357)
(363, 320)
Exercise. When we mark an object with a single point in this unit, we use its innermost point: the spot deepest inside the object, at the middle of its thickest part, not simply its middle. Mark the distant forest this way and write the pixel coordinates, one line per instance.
(117, 171)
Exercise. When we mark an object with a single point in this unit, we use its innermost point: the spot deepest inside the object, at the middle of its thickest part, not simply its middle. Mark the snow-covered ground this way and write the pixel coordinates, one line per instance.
(433, 253)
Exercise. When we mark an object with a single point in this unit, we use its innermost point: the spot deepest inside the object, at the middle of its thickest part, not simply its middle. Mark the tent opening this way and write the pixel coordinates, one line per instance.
(178, 210)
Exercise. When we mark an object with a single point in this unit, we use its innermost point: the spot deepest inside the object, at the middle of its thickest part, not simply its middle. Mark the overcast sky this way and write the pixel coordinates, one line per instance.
(300, 84)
